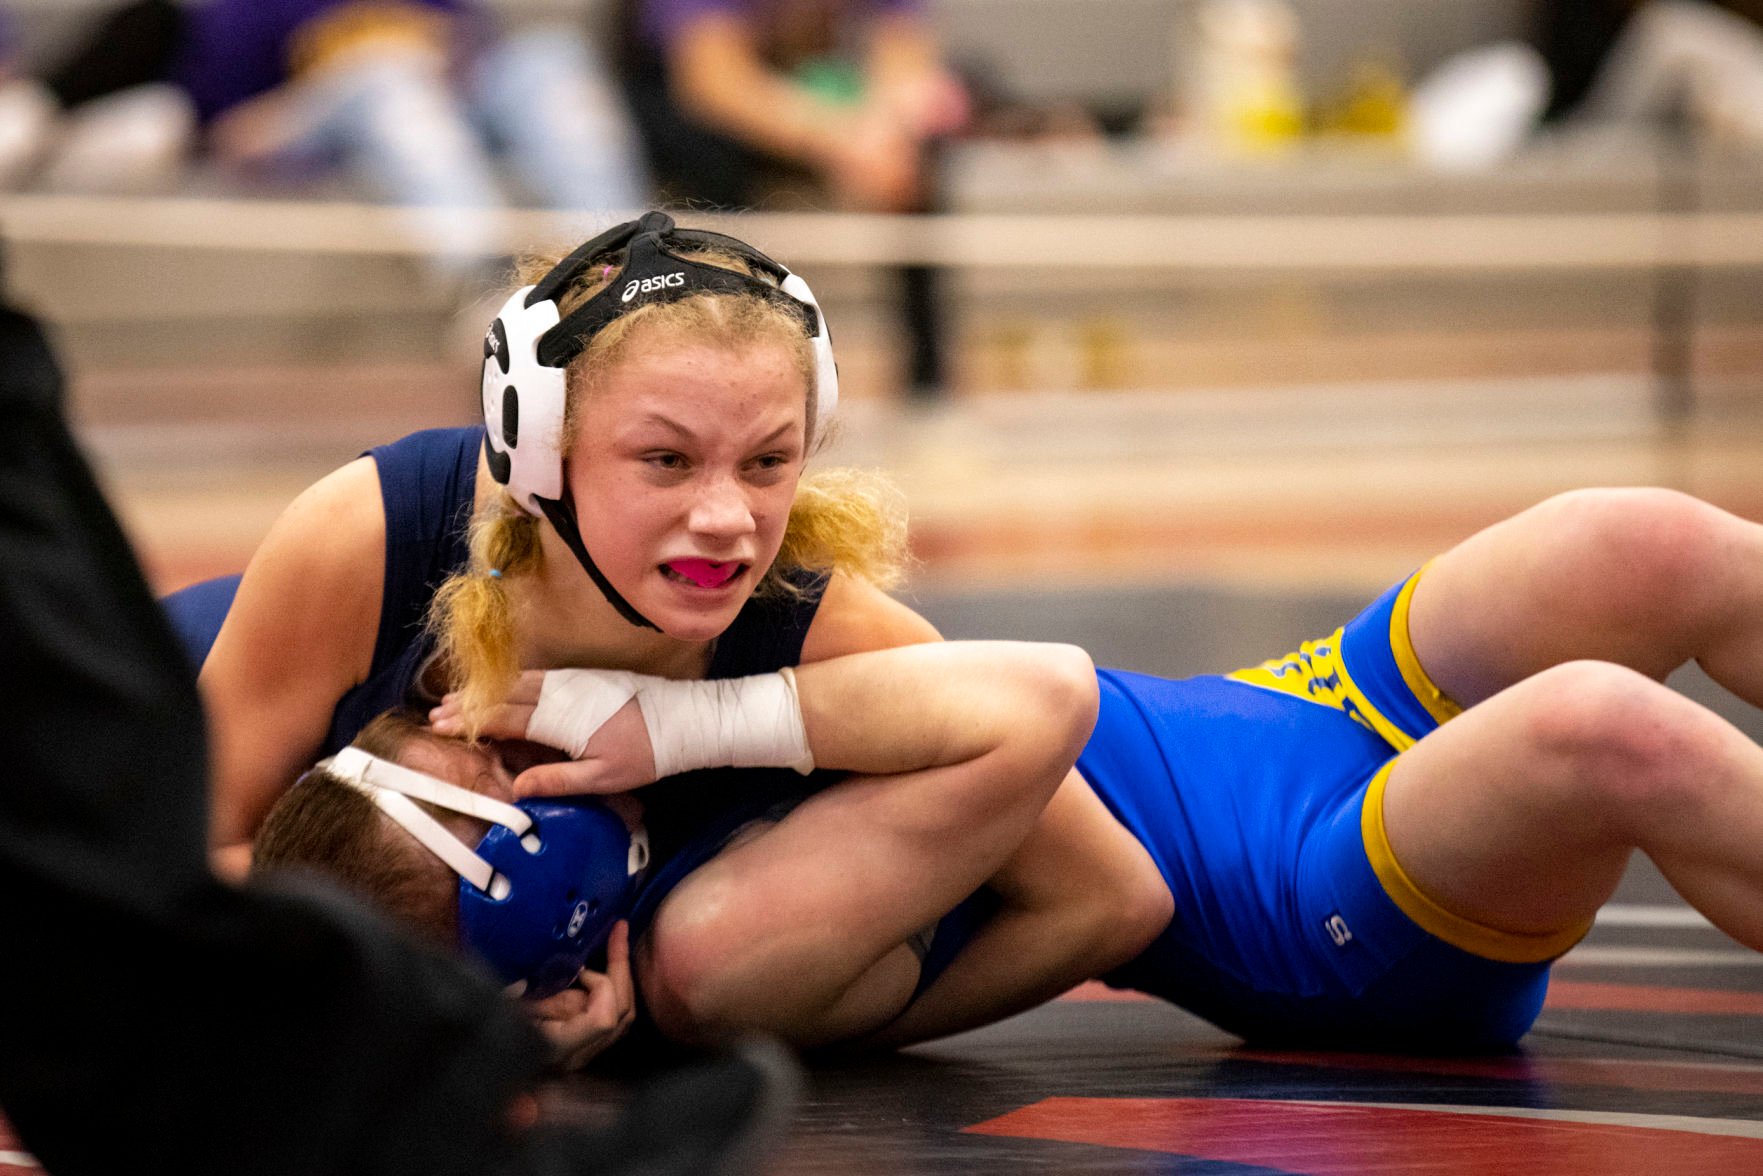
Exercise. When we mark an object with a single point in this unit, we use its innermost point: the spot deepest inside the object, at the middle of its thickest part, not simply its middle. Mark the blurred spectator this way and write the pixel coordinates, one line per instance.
(26, 111)
(737, 97)
(1694, 61)
(407, 97)
(125, 126)
(1694, 64)
(728, 93)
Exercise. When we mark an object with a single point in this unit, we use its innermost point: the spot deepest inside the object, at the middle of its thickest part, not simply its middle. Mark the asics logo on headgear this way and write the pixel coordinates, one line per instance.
(578, 919)
(493, 343)
(649, 285)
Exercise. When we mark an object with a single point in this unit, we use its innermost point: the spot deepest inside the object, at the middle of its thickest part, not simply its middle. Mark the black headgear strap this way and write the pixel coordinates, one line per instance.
(562, 516)
(652, 271)
(649, 263)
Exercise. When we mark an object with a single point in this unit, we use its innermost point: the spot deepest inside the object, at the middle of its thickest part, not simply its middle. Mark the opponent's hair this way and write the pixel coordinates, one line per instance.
(841, 520)
(326, 826)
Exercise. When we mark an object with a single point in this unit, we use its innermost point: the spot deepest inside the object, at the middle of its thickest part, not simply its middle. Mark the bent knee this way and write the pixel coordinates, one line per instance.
(687, 963)
(681, 986)
(1635, 551)
(1614, 741)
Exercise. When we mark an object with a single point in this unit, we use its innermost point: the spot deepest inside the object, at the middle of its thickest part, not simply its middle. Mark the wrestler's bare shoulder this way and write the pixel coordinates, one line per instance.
(855, 617)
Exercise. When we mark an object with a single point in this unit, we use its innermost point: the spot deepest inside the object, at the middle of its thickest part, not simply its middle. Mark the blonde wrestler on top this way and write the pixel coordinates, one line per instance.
(639, 504)
(1385, 837)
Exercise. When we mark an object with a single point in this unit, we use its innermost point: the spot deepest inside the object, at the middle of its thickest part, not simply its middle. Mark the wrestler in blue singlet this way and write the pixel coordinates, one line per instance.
(1259, 796)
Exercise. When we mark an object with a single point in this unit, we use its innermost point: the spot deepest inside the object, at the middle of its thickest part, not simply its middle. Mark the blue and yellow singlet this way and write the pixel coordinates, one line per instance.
(1259, 796)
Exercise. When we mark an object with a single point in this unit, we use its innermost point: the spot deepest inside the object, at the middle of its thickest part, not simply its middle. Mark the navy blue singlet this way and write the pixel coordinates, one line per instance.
(427, 483)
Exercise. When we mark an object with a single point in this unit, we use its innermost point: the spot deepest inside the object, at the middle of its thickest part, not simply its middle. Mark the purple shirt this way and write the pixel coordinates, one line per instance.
(660, 22)
(237, 49)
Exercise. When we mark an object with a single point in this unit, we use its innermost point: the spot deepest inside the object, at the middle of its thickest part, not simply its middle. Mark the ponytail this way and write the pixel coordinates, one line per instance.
(472, 617)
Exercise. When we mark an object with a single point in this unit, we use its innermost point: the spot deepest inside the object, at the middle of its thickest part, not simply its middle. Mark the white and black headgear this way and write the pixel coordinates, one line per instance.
(529, 346)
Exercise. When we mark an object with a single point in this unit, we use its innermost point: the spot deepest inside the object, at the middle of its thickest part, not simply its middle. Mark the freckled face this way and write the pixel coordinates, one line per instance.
(683, 471)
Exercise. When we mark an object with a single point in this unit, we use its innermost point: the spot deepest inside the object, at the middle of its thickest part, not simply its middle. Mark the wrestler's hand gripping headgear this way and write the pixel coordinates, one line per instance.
(529, 346)
(539, 894)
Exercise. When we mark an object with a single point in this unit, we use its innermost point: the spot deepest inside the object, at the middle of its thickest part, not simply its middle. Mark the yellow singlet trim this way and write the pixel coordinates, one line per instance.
(1512, 947)
(1388, 731)
(1441, 708)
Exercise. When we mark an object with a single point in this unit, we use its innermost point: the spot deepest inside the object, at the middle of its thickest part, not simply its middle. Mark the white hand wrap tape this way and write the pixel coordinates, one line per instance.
(751, 722)
(573, 704)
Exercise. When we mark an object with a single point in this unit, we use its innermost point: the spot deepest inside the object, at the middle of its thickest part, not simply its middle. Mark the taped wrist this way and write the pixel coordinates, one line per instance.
(573, 704)
(751, 722)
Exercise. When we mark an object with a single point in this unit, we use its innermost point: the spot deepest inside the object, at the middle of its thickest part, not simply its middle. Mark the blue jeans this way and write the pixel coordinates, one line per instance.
(397, 123)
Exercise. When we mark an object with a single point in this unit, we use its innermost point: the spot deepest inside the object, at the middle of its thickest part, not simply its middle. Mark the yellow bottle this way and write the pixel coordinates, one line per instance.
(1243, 85)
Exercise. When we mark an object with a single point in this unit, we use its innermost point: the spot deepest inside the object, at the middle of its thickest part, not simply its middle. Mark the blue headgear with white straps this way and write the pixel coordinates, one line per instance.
(540, 892)
(530, 345)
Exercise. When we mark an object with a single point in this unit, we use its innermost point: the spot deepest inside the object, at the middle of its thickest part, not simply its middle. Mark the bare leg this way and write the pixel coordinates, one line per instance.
(1647, 579)
(1521, 814)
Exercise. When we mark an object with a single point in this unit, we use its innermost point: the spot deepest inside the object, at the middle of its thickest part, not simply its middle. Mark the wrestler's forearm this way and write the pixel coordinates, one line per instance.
(927, 706)
(883, 713)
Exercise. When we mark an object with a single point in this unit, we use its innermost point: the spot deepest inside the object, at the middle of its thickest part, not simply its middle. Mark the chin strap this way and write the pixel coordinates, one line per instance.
(561, 513)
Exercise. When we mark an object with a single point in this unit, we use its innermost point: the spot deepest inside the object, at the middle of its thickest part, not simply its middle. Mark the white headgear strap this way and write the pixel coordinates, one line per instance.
(826, 370)
(392, 786)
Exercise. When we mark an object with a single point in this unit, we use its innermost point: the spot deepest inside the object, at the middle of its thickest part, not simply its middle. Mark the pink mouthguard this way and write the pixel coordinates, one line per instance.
(706, 573)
